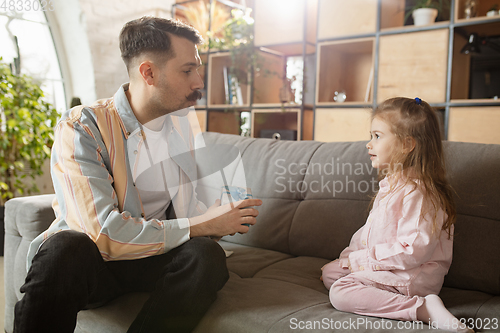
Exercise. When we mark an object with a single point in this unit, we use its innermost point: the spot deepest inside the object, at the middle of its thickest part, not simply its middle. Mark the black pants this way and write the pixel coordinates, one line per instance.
(68, 275)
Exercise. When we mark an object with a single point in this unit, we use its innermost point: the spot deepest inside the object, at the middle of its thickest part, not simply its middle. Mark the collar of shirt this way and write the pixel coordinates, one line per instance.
(125, 110)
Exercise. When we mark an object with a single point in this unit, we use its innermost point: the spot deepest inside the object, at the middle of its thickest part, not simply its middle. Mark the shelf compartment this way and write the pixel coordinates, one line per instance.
(460, 74)
(338, 125)
(276, 120)
(476, 76)
(286, 20)
(474, 124)
(226, 122)
(483, 28)
(392, 14)
(413, 65)
(482, 8)
(216, 90)
(269, 80)
(345, 66)
(338, 18)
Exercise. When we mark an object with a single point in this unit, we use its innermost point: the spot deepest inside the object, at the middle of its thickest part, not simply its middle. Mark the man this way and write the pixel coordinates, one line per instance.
(119, 172)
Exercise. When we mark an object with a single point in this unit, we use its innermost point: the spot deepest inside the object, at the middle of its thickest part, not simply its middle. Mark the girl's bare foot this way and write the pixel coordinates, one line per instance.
(435, 313)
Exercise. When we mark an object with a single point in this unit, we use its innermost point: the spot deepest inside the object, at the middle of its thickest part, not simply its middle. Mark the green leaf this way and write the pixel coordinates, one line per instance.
(26, 135)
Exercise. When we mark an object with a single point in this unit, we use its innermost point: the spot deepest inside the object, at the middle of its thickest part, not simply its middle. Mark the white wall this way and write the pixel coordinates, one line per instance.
(86, 37)
(68, 27)
(104, 20)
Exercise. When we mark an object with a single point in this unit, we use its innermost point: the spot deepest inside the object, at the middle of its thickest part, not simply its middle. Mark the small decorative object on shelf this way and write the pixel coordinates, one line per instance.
(340, 96)
(281, 134)
(287, 94)
(424, 16)
(425, 12)
(470, 8)
(493, 11)
(232, 88)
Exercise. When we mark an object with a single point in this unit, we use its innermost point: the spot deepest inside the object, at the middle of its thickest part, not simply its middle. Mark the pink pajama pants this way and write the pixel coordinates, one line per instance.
(350, 292)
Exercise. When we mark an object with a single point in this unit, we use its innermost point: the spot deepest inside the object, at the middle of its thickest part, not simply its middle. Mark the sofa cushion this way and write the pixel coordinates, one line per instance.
(246, 261)
(308, 188)
(115, 317)
(302, 271)
(25, 218)
(473, 170)
(474, 174)
(286, 296)
(37, 212)
(476, 254)
(316, 195)
(272, 229)
(325, 236)
(270, 291)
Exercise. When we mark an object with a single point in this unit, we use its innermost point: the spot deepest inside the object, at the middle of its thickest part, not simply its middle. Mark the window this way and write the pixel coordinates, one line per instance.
(25, 35)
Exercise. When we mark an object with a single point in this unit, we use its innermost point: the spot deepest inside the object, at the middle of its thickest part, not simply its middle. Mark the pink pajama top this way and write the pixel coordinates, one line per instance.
(398, 245)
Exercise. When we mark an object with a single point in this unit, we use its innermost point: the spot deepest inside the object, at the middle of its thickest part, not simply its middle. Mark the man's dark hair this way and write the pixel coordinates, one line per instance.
(151, 34)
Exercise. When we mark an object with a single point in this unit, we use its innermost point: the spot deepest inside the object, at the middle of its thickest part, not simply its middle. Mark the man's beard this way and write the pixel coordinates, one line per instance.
(194, 96)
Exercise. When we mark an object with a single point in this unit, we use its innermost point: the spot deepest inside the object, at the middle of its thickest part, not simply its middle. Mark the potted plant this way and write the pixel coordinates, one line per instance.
(426, 11)
(493, 11)
(26, 136)
(236, 36)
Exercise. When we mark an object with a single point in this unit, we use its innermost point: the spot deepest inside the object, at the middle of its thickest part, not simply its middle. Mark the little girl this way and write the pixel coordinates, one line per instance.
(395, 264)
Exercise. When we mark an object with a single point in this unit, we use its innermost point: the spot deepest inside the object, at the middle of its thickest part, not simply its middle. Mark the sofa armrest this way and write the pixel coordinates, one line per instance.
(25, 218)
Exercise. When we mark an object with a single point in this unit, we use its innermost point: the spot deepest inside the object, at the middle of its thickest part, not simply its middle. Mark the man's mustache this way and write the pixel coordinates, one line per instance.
(194, 96)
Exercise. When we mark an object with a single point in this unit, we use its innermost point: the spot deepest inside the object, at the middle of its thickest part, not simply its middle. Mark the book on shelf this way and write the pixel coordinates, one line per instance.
(227, 81)
(232, 88)
(237, 94)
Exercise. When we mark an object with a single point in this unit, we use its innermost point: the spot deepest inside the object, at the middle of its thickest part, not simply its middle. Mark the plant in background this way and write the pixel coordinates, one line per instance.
(198, 15)
(237, 37)
(26, 135)
(442, 6)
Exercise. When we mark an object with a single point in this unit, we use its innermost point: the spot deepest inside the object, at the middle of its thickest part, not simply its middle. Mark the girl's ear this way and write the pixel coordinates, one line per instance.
(409, 144)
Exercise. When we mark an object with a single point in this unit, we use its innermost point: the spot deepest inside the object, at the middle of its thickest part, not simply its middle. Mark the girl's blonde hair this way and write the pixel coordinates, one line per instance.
(414, 119)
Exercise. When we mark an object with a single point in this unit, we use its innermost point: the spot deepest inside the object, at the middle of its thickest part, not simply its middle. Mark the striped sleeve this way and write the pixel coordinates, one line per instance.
(88, 202)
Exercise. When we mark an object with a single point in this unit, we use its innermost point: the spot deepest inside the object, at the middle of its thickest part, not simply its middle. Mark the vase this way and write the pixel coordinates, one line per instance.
(470, 10)
(424, 16)
(492, 13)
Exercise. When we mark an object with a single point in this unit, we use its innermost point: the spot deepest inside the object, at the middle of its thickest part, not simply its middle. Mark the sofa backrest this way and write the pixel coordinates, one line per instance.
(316, 195)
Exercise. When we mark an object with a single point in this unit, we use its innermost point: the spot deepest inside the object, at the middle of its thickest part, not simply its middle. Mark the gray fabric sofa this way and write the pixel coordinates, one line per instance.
(315, 196)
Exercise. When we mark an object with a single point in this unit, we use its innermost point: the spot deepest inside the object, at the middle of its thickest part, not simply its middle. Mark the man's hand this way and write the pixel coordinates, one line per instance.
(225, 220)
